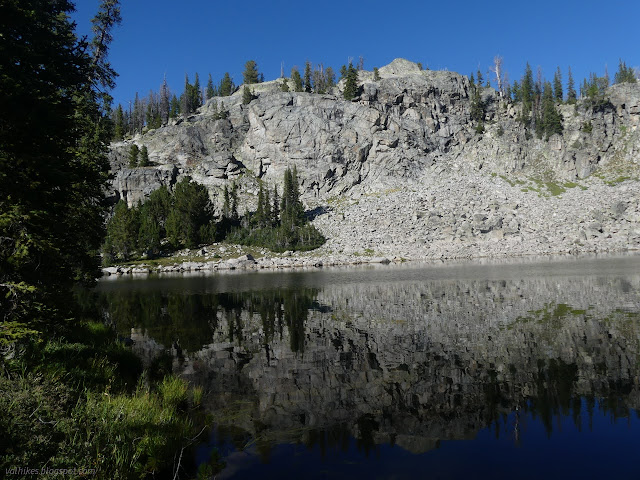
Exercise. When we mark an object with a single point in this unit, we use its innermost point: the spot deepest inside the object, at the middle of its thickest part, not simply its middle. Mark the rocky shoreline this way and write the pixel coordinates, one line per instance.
(449, 217)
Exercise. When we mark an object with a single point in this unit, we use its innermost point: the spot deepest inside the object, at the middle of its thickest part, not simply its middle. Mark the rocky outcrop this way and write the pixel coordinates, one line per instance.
(405, 149)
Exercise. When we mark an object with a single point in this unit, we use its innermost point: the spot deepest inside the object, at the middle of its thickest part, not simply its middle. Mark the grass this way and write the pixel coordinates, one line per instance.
(80, 399)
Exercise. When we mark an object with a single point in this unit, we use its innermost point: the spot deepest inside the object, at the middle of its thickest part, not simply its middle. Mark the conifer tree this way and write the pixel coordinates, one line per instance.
(527, 94)
(174, 109)
(571, 90)
(275, 209)
(210, 91)
(551, 118)
(258, 218)
(291, 208)
(53, 164)
(624, 74)
(137, 122)
(133, 155)
(376, 74)
(318, 79)
(296, 79)
(480, 78)
(247, 96)
(164, 102)
(149, 231)
(119, 127)
(186, 106)
(122, 230)
(284, 85)
(196, 94)
(226, 86)
(477, 106)
(190, 211)
(307, 78)
(144, 157)
(330, 77)
(250, 74)
(557, 86)
(343, 72)
(516, 92)
(351, 84)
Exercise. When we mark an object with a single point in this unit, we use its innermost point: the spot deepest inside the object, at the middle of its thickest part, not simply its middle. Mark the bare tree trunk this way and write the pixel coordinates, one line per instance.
(497, 69)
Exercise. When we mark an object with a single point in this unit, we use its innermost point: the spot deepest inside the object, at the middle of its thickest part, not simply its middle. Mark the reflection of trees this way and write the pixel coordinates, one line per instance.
(390, 380)
(191, 319)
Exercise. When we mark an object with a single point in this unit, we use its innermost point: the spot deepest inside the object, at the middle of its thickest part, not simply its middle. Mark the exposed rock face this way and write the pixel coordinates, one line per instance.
(409, 132)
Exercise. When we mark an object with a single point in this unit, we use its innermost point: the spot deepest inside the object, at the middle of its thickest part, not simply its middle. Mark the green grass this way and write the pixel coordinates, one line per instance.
(80, 399)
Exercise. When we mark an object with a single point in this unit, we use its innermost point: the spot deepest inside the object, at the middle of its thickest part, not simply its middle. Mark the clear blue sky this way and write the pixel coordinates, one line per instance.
(159, 37)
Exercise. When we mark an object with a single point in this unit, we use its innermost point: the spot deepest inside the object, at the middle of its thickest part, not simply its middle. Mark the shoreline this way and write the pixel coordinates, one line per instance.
(300, 260)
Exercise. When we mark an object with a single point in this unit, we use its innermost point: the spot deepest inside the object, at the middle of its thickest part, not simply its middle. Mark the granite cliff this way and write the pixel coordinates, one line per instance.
(401, 171)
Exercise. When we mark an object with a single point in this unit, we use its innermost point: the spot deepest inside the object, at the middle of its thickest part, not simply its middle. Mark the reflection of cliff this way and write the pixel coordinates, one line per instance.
(407, 362)
(419, 362)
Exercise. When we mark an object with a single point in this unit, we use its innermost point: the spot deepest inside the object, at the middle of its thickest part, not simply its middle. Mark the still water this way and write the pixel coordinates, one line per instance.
(473, 370)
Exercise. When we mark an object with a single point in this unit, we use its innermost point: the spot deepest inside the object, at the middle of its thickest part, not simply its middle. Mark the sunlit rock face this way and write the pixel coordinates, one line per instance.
(408, 127)
(401, 170)
(410, 362)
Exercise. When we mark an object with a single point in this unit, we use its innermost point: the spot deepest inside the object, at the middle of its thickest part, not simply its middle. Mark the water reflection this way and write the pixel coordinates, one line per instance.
(410, 363)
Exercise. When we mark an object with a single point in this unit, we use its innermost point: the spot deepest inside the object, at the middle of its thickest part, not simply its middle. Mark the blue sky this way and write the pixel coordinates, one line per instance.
(159, 37)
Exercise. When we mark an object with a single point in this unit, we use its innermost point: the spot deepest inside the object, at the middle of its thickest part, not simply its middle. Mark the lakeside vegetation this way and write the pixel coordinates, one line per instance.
(71, 395)
(169, 221)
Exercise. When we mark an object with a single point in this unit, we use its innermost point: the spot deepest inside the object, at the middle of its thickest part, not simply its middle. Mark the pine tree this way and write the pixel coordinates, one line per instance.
(480, 78)
(318, 79)
(275, 209)
(516, 92)
(307, 78)
(133, 155)
(571, 90)
(211, 91)
(119, 128)
(164, 102)
(351, 84)
(174, 109)
(53, 164)
(527, 94)
(190, 211)
(284, 85)
(226, 86)
(624, 74)
(296, 79)
(247, 96)
(291, 208)
(557, 86)
(343, 72)
(258, 218)
(122, 230)
(477, 106)
(330, 77)
(144, 157)
(250, 74)
(551, 118)
(376, 74)
(186, 106)
(138, 116)
(196, 94)
(234, 201)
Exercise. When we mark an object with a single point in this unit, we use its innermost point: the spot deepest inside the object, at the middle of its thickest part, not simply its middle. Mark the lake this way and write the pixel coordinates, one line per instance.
(494, 369)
